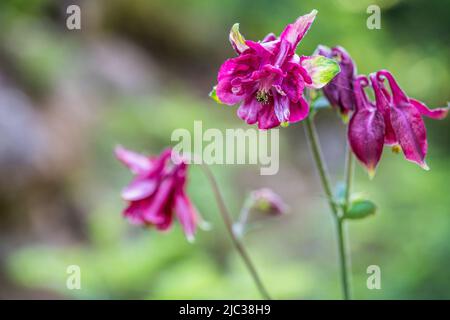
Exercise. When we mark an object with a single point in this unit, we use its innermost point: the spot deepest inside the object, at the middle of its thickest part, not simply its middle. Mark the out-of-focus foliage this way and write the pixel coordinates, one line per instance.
(140, 69)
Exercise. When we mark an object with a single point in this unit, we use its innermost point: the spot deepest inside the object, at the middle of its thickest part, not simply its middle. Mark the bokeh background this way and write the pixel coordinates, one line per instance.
(139, 69)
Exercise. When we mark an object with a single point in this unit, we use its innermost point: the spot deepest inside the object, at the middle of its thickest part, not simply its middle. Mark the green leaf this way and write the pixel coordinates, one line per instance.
(213, 95)
(360, 209)
(321, 69)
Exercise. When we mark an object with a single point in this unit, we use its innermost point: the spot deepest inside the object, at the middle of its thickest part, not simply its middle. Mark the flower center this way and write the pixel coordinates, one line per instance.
(262, 96)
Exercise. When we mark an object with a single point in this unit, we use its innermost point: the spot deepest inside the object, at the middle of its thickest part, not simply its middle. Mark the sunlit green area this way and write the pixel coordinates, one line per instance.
(136, 71)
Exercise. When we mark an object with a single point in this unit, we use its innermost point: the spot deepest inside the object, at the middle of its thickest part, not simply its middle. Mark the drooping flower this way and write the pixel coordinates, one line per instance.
(339, 92)
(157, 191)
(268, 78)
(405, 119)
(394, 120)
(366, 130)
(266, 200)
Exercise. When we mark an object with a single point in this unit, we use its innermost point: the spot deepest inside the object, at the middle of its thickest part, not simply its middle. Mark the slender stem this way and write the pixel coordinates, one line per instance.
(349, 164)
(313, 140)
(226, 216)
(314, 144)
(344, 258)
(342, 228)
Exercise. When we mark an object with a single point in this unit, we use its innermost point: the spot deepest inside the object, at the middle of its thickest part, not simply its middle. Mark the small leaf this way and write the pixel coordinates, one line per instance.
(360, 209)
(213, 95)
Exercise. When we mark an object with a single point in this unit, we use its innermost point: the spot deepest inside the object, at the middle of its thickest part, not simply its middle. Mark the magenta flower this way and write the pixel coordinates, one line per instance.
(405, 123)
(394, 119)
(157, 191)
(339, 92)
(268, 78)
(366, 130)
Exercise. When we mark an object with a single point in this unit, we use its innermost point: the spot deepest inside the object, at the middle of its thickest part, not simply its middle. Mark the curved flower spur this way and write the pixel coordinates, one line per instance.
(268, 78)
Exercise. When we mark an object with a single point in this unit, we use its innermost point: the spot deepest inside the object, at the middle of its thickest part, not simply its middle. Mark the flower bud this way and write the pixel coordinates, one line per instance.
(339, 91)
(266, 201)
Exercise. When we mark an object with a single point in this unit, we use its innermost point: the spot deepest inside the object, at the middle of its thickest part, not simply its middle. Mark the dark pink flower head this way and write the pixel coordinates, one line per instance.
(394, 119)
(157, 191)
(404, 118)
(366, 129)
(339, 92)
(268, 78)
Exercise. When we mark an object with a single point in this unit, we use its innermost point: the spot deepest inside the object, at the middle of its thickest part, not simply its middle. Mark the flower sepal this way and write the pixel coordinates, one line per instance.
(321, 70)
(213, 95)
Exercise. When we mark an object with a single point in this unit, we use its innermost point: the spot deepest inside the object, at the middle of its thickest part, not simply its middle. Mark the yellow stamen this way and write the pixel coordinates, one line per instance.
(396, 149)
(262, 96)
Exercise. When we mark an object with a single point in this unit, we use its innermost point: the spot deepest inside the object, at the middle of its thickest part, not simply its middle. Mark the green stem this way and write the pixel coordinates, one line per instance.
(349, 169)
(227, 219)
(344, 258)
(313, 139)
(343, 234)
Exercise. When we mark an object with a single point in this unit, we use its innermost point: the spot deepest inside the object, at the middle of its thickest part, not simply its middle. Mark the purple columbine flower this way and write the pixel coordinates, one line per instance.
(393, 119)
(366, 130)
(157, 191)
(339, 92)
(404, 118)
(268, 78)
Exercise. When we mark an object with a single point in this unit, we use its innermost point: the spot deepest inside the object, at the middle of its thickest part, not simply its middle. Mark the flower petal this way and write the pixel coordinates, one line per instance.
(224, 92)
(237, 39)
(233, 78)
(384, 106)
(437, 113)
(186, 214)
(134, 211)
(166, 218)
(260, 49)
(366, 137)
(293, 84)
(267, 118)
(298, 110)
(411, 133)
(270, 37)
(157, 208)
(407, 122)
(137, 163)
(321, 70)
(294, 33)
(366, 129)
(281, 107)
(139, 189)
(249, 110)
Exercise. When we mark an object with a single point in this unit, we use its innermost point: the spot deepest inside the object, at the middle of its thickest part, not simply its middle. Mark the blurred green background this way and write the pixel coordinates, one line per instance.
(139, 69)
